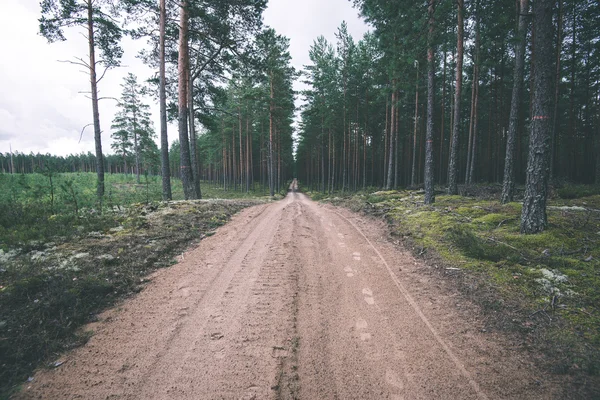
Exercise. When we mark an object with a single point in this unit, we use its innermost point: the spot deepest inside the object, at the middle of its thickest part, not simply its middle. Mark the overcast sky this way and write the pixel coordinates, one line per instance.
(42, 107)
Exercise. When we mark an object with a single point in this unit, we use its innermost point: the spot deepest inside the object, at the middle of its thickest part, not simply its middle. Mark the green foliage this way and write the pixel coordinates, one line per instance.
(133, 130)
(59, 14)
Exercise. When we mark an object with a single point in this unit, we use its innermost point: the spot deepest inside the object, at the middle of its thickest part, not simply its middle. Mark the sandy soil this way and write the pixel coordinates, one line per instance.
(294, 300)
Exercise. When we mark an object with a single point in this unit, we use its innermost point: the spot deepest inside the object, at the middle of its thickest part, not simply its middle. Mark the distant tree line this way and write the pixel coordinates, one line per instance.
(85, 162)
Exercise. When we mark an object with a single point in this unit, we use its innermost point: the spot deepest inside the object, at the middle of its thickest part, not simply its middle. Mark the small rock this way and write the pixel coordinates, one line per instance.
(116, 229)
(80, 255)
(57, 364)
(105, 257)
(216, 336)
(546, 253)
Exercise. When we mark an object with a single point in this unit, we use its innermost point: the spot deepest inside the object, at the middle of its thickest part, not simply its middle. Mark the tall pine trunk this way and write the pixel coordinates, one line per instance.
(556, 90)
(533, 217)
(187, 179)
(413, 174)
(193, 148)
(388, 184)
(271, 127)
(136, 146)
(164, 140)
(428, 178)
(508, 186)
(96, 112)
(453, 162)
(443, 120)
(474, 100)
(474, 104)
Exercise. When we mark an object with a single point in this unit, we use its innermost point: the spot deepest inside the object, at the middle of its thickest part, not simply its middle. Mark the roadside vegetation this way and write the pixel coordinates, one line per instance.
(64, 258)
(543, 287)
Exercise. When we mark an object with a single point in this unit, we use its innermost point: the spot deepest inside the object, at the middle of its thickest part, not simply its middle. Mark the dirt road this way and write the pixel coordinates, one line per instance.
(293, 300)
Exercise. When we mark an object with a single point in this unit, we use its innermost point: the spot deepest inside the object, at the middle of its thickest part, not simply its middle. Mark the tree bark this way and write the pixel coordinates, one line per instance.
(271, 109)
(556, 90)
(164, 140)
(96, 112)
(508, 186)
(187, 178)
(136, 146)
(413, 175)
(475, 105)
(533, 217)
(429, 167)
(453, 162)
(443, 120)
(388, 185)
(193, 145)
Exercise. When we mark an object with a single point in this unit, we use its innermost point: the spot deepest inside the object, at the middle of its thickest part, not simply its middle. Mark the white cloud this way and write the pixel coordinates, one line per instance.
(43, 104)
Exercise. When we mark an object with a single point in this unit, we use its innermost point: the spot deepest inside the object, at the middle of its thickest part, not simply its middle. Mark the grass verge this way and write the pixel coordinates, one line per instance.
(50, 288)
(544, 288)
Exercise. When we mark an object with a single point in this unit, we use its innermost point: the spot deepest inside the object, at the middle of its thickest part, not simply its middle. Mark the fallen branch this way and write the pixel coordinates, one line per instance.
(491, 239)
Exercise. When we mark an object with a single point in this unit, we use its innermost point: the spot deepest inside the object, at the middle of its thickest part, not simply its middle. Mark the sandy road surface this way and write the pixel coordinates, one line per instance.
(293, 300)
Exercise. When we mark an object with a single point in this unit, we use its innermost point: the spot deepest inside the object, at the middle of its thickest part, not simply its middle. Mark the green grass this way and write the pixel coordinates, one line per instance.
(556, 272)
(33, 210)
(62, 261)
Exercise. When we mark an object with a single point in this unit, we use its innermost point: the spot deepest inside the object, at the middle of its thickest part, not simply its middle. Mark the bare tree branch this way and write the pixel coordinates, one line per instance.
(73, 62)
(81, 134)
(103, 73)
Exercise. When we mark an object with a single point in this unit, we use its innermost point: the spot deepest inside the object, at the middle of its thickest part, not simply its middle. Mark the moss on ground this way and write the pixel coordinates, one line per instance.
(552, 278)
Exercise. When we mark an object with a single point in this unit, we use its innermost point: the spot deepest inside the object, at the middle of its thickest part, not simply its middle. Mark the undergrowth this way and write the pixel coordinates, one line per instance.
(64, 259)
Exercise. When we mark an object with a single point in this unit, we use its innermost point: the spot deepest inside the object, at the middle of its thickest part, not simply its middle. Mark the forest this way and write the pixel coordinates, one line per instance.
(472, 127)
(442, 93)
(455, 92)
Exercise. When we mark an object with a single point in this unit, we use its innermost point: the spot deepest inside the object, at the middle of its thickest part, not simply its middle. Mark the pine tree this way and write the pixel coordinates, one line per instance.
(533, 217)
(132, 125)
(102, 34)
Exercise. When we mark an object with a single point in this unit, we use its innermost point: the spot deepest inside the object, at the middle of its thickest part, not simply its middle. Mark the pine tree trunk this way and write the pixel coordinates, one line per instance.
(572, 120)
(443, 120)
(474, 106)
(453, 162)
(473, 90)
(164, 140)
(429, 168)
(193, 142)
(248, 151)
(136, 148)
(555, 135)
(271, 127)
(533, 217)
(508, 186)
(413, 174)
(241, 149)
(234, 171)
(388, 185)
(187, 178)
(474, 145)
(597, 148)
(396, 141)
(385, 142)
(96, 112)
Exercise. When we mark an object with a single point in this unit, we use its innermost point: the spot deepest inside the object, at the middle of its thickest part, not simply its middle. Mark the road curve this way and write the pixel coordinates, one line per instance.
(293, 300)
